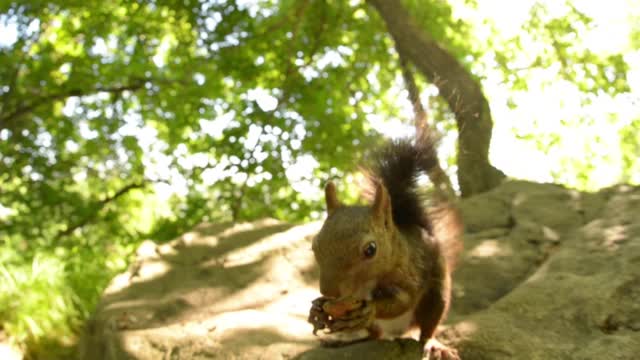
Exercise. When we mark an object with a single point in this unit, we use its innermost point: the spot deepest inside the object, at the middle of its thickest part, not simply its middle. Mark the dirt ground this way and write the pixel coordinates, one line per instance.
(547, 273)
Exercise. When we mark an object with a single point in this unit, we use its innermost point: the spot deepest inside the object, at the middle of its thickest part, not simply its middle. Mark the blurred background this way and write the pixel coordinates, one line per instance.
(122, 121)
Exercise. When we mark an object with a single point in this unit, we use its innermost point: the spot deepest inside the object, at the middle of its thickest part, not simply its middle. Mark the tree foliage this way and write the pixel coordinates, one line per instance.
(127, 120)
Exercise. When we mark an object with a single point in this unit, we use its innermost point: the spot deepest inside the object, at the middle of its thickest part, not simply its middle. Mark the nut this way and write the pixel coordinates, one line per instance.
(338, 308)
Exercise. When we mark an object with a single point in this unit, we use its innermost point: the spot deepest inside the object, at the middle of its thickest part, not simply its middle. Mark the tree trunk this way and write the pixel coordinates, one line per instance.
(456, 85)
(441, 182)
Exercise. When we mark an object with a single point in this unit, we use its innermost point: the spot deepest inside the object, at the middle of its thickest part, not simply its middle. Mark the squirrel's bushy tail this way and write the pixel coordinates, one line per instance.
(398, 166)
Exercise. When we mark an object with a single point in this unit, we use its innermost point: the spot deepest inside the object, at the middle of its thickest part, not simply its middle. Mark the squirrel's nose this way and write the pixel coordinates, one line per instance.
(329, 289)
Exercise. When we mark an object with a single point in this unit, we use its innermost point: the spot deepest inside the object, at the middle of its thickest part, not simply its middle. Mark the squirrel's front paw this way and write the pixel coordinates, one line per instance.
(340, 315)
(435, 350)
(317, 316)
(356, 319)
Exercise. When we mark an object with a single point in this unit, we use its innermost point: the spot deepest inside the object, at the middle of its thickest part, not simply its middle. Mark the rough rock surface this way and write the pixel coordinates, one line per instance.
(547, 273)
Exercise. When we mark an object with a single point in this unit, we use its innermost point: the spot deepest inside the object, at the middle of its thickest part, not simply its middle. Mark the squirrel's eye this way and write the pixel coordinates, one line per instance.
(370, 250)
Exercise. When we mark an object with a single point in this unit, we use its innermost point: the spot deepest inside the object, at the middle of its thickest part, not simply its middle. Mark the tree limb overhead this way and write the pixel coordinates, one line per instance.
(456, 85)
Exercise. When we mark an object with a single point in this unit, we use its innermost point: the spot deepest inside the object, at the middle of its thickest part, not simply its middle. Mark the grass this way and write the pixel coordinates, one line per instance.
(44, 300)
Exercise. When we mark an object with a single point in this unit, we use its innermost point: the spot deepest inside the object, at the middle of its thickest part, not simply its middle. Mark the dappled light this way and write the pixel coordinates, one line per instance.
(219, 293)
(162, 167)
(466, 328)
(245, 290)
(8, 352)
(489, 248)
(282, 240)
(462, 330)
(615, 235)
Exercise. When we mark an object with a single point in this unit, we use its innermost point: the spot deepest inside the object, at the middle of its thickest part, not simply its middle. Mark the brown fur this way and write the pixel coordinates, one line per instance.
(415, 254)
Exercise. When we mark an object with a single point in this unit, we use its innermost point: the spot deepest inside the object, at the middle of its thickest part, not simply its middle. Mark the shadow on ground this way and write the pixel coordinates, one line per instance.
(547, 273)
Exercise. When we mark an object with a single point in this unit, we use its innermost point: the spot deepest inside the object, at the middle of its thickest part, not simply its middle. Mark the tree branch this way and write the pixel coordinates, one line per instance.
(442, 183)
(96, 208)
(414, 96)
(461, 91)
(7, 119)
(286, 19)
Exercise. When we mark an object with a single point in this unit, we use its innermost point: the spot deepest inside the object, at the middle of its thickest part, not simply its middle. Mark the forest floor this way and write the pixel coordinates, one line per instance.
(547, 273)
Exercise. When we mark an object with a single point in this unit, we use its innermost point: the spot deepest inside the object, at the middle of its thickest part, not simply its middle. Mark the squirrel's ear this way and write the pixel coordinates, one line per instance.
(331, 197)
(382, 206)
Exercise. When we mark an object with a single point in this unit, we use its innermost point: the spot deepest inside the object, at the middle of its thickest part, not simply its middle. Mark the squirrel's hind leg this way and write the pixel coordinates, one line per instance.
(431, 310)
(435, 350)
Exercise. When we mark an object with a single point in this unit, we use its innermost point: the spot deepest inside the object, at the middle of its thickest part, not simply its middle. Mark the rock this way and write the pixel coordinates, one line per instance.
(580, 302)
(400, 349)
(223, 291)
(547, 273)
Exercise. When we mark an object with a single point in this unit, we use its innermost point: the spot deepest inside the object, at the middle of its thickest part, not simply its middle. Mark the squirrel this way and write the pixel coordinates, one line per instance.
(393, 256)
